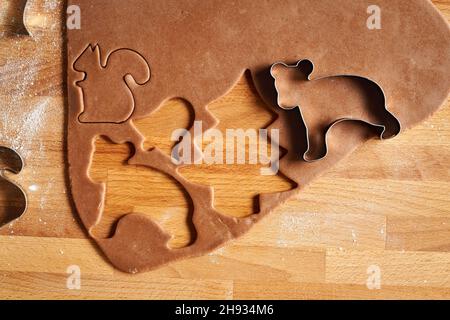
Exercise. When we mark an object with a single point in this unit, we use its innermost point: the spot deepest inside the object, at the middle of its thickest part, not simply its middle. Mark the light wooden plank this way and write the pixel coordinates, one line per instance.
(416, 269)
(231, 263)
(237, 262)
(19, 285)
(295, 226)
(276, 290)
(418, 234)
(50, 255)
(405, 198)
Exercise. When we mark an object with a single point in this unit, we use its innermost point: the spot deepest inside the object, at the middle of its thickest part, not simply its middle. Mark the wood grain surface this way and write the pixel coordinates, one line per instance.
(387, 205)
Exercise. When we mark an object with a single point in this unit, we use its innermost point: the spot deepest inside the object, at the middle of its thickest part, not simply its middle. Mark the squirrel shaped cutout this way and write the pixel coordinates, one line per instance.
(322, 105)
(107, 88)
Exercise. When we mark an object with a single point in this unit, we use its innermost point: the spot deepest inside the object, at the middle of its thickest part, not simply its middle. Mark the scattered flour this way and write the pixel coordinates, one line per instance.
(33, 188)
(28, 83)
(51, 5)
(28, 127)
(354, 237)
(18, 129)
(23, 114)
(311, 228)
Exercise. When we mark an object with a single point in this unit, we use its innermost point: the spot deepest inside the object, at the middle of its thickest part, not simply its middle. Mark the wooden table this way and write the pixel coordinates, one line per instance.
(387, 206)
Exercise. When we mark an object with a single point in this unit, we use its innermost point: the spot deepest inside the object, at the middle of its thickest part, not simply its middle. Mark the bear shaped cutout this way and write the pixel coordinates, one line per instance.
(325, 102)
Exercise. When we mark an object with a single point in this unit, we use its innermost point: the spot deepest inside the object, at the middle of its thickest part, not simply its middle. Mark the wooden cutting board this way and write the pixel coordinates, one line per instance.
(387, 205)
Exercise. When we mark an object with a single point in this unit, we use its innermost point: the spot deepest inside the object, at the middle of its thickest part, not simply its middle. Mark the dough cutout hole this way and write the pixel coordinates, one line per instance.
(159, 126)
(237, 186)
(136, 189)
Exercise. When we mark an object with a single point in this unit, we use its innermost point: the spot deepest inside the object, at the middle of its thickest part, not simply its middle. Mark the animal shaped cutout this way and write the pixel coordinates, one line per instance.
(107, 88)
(325, 102)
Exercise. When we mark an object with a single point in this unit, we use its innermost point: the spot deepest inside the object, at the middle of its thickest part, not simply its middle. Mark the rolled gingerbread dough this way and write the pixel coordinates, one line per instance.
(130, 56)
